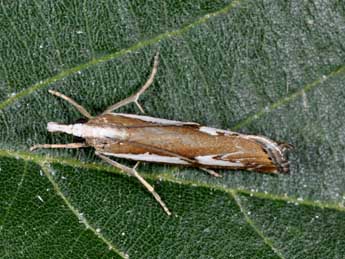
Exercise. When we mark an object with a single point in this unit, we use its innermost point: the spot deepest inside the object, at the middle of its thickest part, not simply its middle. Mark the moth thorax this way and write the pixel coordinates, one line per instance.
(88, 131)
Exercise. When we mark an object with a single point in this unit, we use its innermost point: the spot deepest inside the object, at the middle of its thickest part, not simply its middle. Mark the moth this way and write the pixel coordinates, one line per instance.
(149, 139)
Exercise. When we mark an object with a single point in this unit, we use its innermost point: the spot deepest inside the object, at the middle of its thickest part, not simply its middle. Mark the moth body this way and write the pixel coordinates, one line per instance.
(149, 139)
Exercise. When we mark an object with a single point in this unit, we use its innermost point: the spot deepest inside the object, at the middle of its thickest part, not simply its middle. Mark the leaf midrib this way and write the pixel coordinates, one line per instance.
(71, 162)
(41, 159)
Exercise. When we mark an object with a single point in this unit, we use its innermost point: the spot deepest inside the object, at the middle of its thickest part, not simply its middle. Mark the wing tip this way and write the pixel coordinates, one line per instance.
(276, 152)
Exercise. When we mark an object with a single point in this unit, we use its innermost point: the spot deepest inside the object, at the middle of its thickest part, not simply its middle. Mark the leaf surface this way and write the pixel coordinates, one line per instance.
(272, 68)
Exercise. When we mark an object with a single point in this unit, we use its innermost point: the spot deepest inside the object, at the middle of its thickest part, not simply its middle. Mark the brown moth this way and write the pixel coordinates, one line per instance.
(149, 139)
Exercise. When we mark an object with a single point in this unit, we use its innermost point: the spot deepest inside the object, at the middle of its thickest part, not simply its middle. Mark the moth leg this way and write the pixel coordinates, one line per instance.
(80, 108)
(69, 145)
(136, 165)
(134, 97)
(211, 172)
(133, 172)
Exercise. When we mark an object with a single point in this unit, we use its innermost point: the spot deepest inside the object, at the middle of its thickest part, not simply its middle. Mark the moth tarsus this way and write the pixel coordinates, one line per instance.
(149, 139)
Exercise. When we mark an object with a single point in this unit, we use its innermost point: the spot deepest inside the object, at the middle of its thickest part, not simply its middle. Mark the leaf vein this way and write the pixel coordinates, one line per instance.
(20, 184)
(287, 99)
(95, 61)
(266, 240)
(59, 192)
(39, 159)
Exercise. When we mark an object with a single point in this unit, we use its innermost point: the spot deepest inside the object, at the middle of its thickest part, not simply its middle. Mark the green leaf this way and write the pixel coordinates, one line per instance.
(267, 67)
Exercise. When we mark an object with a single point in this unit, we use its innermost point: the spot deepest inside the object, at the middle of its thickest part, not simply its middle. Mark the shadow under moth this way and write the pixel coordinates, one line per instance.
(149, 139)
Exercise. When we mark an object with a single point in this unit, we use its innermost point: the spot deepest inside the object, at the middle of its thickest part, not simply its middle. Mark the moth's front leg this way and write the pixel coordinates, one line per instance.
(80, 108)
(69, 145)
(133, 172)
(134, 97)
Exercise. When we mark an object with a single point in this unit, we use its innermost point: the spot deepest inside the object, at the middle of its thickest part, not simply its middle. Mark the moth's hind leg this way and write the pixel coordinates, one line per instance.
(134, 97)
(69, 145)
(133, 172)
(80, 108)
(211, 172)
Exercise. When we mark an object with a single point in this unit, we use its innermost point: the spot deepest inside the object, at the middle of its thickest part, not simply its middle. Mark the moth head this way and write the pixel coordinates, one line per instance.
(87, 131)
(77, 129)
(57, 127)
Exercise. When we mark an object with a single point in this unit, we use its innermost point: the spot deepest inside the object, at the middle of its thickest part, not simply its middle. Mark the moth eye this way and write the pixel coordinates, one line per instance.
(78, 139)
(80, 120)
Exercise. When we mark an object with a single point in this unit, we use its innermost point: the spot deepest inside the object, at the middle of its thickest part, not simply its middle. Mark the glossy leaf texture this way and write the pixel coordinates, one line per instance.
(272, 68)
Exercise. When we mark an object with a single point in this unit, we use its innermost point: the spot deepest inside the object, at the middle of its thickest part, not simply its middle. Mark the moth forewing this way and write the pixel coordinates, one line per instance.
(175, 142)
(149, 139)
